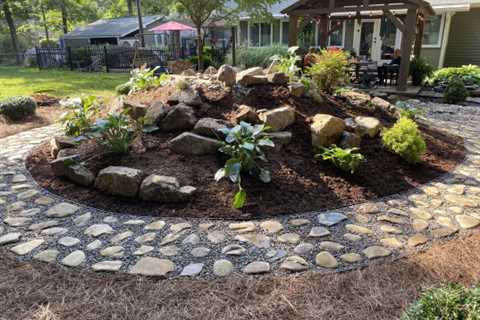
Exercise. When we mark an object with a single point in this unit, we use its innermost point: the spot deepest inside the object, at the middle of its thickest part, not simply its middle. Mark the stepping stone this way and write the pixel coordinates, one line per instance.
(274, 255)
(216, 237)
(271, 226)
(94, 245)
(147, 237)
(171, 237)
(458, 189)
(200, 252)
(351, 257)
(192, 239)
(242, 227)
(369, 208)
(179, 227)
(398, 212)
(17, 221)
(303, 248)
(49, 256)
(121, 236)
(62, 210)
(222, 268)
(390, 229)
(114, 251)
(54, 231)
(256, 267)
(443, 232)
(155, 226)
(19, 178)
(68, 241)
(421, 214)
(143, 250)
(392, 243)
(331, 218)
(74, 259)
(326, 260)
(358, 229)
(110, 266)
(26, 247)
(294, 263)
(417, 240)
(10, 238)
(462, 201)
(27, 194)
(30, 212)
(205, 226)
(467, 222)
(352, 237)
(446, 222)
(150, 266)
(234, 250)
(330, 246)
(169, 251)
(44, 201)
(82, 220)
(258, 240)
(134, 222)
(110, 219)
(97, 230)
(318, 232)
(419, 225)
(394, 220)
(192, 269)
(374, 252)
(291, 238)
(299, 222)
(431, 191)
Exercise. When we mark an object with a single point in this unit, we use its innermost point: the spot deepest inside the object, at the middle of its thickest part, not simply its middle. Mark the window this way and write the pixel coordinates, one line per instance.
(388, 34)
(432, 32)
(336, 38)
(243, 33)
(285, 27)
(265, 34)
(254, 34)
(276, 32)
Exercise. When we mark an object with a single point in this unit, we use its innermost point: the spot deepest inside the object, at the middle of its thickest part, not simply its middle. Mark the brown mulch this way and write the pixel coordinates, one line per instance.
(299, 182)
(379, 292)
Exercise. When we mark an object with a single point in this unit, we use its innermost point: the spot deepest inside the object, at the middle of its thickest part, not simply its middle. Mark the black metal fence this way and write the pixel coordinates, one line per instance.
(115, 58)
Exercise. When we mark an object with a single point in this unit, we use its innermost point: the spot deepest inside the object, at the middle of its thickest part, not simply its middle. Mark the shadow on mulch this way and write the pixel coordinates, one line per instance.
(382, 291)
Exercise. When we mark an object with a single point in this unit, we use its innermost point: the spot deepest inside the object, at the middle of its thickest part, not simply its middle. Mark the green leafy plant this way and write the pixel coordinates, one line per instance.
(123, 88)
(287, 63)
(18, 108)
(455, 92)
(344, 159)
(117, 132)
(409, 111)
(452, 302)
(244, 145)
(405, 140)
(248, 57)
(80, 117)
(469, 75)
(420, 69)
(329, 70)
(182, 84)
(207, 58)
(144, 78)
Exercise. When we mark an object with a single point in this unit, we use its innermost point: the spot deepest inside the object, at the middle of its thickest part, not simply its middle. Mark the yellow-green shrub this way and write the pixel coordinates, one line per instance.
(330, 69)
(405, 140)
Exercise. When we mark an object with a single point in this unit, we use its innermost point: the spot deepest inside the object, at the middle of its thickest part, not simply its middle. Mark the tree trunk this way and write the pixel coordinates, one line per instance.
(44, 18)
(12, 28)
(199, 48)
(130, 7)
(63, 8)
(140, 24)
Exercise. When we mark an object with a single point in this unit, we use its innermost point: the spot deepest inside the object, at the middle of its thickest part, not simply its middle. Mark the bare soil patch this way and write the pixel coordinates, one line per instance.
(299, 182)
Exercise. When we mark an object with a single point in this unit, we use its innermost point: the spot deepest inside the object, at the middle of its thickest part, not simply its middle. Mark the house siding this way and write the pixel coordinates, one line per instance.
(464, 40)
(76, 43)
(432, 55)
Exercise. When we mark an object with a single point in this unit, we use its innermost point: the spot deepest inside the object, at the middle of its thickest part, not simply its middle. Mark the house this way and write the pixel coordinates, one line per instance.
(119, 31)
(451, 36)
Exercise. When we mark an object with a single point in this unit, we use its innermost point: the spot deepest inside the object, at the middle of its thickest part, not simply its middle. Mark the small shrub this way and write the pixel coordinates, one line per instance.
(344, 159)
(207, 59)
(18, 108)
(117, 133)
(452, 302)
(288, 63)
(182, 84)
(420, 69)
(456, 92)
(144, 78)
(123, 89)
(329, 70)
(405, 140)
(243, 144)
(248, 57)
(80, 117)
(470, 75)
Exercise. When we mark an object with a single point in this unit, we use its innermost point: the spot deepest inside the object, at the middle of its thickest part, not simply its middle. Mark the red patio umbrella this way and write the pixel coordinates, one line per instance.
(172, 26)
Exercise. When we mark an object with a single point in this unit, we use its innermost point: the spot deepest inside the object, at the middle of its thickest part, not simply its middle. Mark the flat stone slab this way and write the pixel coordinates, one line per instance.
(74, 259)
(110, 266)
(149, 266)
(27, 247)
(62, 210)
(331, 218)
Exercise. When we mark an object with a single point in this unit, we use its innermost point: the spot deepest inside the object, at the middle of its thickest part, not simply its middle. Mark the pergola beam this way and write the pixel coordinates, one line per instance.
(369, 8)
(395, 20)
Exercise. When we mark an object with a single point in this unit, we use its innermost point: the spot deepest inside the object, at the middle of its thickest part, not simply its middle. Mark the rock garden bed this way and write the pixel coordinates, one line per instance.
(171, 171)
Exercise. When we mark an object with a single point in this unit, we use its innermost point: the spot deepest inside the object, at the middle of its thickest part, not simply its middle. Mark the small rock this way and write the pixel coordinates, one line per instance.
(169, 251)
(209, 127)
(351, 257)
(299, 222)
(193, 144)
(294, 263)
(147, 237)
(121, 236)
(143, 250)
(134, 109)
(303, 248)
(192, 270)
(331, 218)
(10, 238)
(181, 118)
(330, 246)
(121, 181)
(227, 75)
(350, 140)
(222, 268)
(258, 240)
(200, 252)
(256, 267)
(392, 243)
(467, 222)
(376, 252)
(234, 250)
(26, 247)
(82, 220)
(318, 232)
(326, 260)
(68, 241)
(277, 78)
(216, 237)
(48, 256)
(271, 226)
(368, 126)
(74, 259)
(149, 266)
(416, 240)
(110, 266)
(114, 251)
(97, 230)
(358, 229)
(94, 245)
(291, 238)
(156, 112)
(279, 118)
(242, 227)
(296, 89)
(155, 226)
(62, 210)
(247, 114)
(326, 130)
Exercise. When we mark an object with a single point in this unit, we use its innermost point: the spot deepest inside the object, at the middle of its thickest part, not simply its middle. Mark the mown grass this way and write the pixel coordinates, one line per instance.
(61, 83)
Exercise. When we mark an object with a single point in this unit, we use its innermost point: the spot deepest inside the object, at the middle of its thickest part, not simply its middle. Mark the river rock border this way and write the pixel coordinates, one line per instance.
(40, 226)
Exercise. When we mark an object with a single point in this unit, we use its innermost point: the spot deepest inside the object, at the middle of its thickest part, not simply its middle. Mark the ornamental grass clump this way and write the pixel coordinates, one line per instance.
(345, 159)
(18, 108)
(329, 70)
(405, 140)
(244, 145)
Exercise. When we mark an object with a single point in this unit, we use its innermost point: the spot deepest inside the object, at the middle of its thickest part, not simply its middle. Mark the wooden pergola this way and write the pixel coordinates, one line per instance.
(407, 15)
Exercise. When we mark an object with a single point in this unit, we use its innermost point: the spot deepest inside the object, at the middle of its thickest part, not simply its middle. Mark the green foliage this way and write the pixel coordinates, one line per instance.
(329, 70)
(405, 140)
(80, 117)
(144, 78)
(456, 92)
(123, 88)
(207, 58)
(452, 302)
(248, 57)
(117, 132)
(420, 69)
(182, 84)
(287, 63)
(470, 75)
(345, 159)
(243, 144)
(408, 111)
(18, 108)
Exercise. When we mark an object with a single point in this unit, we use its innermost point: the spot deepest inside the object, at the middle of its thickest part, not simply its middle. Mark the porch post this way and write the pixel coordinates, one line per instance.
(407, 43)
(324, 31)
(419, 38)
(293, 31)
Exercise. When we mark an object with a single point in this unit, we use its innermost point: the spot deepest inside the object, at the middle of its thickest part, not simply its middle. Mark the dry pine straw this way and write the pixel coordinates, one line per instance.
(382, 291)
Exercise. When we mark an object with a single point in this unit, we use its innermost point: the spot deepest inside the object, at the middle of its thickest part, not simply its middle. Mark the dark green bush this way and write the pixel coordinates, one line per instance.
(456, 92)
(248, 57)
(451, 302)
(18, 108)
(470, 75)
(420, 69)
(405, 140)
(123, 88)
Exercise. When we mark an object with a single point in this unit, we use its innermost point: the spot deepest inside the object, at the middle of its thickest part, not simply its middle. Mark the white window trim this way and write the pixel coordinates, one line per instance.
(343, 36)
(440, 36)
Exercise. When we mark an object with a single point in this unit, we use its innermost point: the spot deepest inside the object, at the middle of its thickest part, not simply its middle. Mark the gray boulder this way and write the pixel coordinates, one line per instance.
(134, 109)
(368, 126)
(326, 130)
(255, 71)
(194, 144)
(189, 96)
(249, 80)
(156, 112)
(247, 114)
(278, 78)
(59, 143)
(73, 171)
(227, 75)
(120, 181)
(350, 140)
(182, 117)
(209, 127)
(164, 189)
(356, 98)
(296, 89)
(279, 118)
(382, 104)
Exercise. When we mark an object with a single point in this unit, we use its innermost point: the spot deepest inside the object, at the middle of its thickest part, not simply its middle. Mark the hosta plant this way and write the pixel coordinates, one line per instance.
(345, 159)
(288, 63)
(117, 132)
(80, 117)
(144, 78)
(244, 146)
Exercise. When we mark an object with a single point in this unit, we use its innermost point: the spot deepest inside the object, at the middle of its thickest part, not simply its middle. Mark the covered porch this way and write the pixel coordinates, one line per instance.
(408, 16)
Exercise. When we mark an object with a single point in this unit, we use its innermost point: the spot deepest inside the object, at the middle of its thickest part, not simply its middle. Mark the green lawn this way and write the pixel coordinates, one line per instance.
(61, 83)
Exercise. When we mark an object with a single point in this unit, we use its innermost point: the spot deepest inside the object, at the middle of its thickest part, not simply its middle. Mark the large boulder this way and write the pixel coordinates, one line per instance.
(382, 104)
(249, 80)
(368, 126)
(247, 114)
(156, 112)
(189, 96)
(255, 71)
(59, 143)
(194, 144)
(134, 109)
(278, 78)
(227, 75)
(296, 89)
(121, 181)
(326, 130)
(69, 168)
(182, 117)
(164, 189)
(209, 127)
(279, 118)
